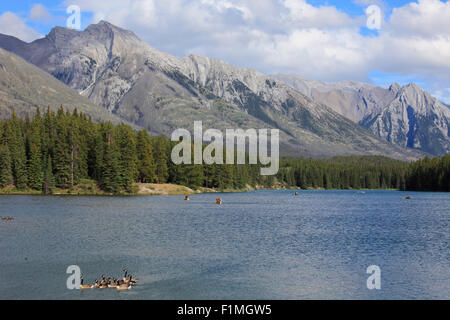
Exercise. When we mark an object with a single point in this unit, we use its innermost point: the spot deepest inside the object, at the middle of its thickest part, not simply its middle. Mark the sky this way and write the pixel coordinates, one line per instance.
(372, 41)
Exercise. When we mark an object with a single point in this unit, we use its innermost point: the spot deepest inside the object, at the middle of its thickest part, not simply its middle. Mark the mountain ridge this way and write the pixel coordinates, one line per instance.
(25, 88)
(155, 90)
(407, 116)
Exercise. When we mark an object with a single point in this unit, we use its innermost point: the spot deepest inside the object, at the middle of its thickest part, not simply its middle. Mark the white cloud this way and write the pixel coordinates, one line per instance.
(319, 54)
(416, 42)
(39, 13)
(293, 36)
(427, 18)
(13, 25)
(222, 6)
(305, 15)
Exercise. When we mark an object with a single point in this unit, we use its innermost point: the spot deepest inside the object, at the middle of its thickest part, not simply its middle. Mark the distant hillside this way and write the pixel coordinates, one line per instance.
(25, 87)
(352, 99)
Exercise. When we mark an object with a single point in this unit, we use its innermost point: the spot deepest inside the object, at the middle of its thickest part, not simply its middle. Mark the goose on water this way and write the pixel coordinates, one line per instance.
(85, 286)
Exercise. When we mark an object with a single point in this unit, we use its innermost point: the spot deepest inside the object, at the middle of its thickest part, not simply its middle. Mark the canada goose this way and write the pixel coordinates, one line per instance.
(113, 284)
(132, 280)
(104, 283)
(85, 286)
(123, 287)
(125, 278)
(96, 284)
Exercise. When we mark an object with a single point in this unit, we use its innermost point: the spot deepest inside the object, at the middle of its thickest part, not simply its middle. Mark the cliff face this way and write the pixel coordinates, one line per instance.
(406, 116)
(414, 119)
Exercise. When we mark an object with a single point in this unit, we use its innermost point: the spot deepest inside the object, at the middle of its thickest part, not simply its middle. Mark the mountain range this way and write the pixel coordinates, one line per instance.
(407, 115)
(129, 80)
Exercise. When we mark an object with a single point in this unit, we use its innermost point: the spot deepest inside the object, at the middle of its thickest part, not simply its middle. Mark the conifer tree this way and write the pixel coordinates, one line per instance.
(161, 159)
(6, 177)
(126, 152)
(110, 180)
(62, 158)
(16, 143)
(145, 161)
(49, 179)
(35, 168)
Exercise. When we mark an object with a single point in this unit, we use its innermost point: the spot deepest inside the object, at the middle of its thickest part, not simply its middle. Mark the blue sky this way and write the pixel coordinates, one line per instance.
(318, 39)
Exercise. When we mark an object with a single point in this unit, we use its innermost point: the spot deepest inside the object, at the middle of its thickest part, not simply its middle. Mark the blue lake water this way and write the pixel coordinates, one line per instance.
(258, 245)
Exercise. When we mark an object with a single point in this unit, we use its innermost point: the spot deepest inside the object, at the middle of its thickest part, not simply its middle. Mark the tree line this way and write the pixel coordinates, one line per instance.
(367, 172)
(60, 149)
(429, 175)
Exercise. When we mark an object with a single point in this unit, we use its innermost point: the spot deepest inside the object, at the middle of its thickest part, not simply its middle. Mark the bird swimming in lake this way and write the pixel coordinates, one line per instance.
(123, 287)
(84, 286)
(104, 283)
(113, 284)
(125, 277)
(125, 283)
(130, 280)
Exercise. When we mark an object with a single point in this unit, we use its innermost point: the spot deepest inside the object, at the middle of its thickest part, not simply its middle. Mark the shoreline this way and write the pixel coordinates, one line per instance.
(139, 189)
(152, 189)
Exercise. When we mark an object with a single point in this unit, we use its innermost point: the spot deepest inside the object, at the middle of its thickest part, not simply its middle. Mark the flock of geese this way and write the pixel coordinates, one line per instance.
(126, 283)
(7, 219)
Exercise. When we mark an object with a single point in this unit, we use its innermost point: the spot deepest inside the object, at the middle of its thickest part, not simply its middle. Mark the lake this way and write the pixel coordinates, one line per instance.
(257, 245)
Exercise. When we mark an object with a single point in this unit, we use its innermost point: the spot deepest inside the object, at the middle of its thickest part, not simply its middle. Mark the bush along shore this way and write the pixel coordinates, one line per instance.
(91, 188)
(67, 153)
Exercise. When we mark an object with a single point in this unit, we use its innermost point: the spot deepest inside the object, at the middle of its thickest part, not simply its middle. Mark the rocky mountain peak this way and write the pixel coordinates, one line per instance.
(413, 91)
(395, 88)
(201, 69)
(415, 119)
(413, 96)
(106, 24)
(60, 35)
(105, 29)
